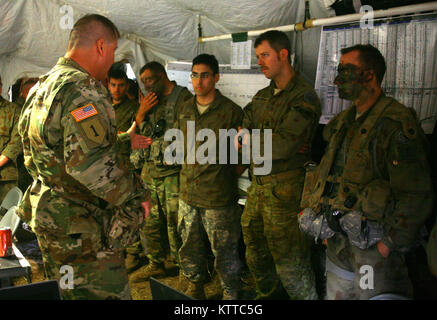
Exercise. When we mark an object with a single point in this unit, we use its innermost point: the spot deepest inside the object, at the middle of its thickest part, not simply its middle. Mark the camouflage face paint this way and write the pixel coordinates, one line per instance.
(349, 81)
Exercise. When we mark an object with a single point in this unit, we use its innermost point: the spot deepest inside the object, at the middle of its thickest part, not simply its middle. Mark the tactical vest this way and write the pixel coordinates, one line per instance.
(168, 113)
(360, 186)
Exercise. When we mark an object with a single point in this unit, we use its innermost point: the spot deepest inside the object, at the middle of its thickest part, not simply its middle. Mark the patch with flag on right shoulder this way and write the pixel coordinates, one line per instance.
(83, 113)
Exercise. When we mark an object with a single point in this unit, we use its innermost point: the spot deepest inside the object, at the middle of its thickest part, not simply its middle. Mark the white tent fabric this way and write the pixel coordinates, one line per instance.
(34, 33)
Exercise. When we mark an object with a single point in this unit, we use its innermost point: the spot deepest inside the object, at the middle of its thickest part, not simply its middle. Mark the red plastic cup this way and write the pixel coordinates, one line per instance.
(5, 242)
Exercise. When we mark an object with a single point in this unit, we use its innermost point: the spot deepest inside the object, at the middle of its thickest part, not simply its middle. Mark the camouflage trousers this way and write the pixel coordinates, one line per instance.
(96, 273)
(355, 274)
(160, 228)
(277, 252)
(221, 228)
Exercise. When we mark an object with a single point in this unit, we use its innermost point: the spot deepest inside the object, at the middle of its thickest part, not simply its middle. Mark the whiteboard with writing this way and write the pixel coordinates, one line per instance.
(409, 46)
(238, 85)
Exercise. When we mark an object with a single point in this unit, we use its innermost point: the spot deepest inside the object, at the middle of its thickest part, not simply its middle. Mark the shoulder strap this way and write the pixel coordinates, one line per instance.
(171, 104)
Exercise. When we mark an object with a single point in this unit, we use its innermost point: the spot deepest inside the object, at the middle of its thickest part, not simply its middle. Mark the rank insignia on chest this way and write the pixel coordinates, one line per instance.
(84, 112)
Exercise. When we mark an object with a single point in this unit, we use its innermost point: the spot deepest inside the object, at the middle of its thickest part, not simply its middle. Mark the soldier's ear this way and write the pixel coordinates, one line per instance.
(369, 75)
(283, 54)
(99, 43)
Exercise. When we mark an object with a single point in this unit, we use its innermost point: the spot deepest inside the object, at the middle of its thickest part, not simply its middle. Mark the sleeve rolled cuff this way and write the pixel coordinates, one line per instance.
(124, 137)
(387, 240)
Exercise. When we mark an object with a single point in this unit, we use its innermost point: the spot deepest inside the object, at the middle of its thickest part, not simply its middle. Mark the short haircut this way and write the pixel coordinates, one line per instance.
(209, 60)
(278, 40)
(155, 67)
(371, 58)
(115, 73)
(90, 28)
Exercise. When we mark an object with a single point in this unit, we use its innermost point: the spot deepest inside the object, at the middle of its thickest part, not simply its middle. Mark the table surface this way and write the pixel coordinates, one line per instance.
(15, 265)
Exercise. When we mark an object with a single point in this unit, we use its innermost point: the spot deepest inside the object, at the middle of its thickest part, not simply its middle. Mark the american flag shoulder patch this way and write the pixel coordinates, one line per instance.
(82, 113)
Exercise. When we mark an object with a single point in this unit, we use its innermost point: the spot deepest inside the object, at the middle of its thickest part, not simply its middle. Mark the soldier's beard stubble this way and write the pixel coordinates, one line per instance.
(157, 88)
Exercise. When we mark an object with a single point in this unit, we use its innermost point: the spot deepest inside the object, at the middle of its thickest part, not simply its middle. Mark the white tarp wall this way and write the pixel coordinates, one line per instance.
(34, 33)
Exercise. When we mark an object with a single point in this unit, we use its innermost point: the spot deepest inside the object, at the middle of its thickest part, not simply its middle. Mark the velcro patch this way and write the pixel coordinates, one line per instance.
(84, 112)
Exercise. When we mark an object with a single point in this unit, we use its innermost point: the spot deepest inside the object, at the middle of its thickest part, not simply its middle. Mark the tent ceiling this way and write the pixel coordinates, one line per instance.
(33, 33)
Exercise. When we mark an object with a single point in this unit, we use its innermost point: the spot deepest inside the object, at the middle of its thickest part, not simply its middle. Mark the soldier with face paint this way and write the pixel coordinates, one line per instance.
(372, 191)
(156, 114)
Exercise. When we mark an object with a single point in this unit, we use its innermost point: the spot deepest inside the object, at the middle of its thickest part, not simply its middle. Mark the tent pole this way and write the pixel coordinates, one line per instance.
(311, 23)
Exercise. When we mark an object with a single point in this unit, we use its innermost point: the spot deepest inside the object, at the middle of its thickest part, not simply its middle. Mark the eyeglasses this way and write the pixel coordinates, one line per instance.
(203, 75)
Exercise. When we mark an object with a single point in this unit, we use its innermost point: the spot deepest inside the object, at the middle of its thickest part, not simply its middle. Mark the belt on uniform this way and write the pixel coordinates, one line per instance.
(281, 176)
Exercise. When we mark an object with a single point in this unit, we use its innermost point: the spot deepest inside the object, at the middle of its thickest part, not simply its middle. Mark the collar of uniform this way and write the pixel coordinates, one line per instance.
(290, 85)
(213, 105)
(2, 101)
(366, 113)
(115, 105)
(165, 98)
(70, 62)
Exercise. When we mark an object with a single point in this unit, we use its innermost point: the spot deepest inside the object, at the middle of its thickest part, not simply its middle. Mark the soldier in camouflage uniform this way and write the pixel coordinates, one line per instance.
(125, 112)
(208, 192)
(24, 178)
(277, 252)
(10, 145)
(372, 186)
(125, 109)
(85, 203)
(160, 231)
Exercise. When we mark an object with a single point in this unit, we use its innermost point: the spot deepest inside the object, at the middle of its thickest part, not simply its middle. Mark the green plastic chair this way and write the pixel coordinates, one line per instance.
(10, 220)
(12, 198)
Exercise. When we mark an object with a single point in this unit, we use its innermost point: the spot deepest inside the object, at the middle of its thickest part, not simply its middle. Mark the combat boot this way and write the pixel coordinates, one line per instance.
(195, 290)
(230, 295)
(153, 269)
(132, 262)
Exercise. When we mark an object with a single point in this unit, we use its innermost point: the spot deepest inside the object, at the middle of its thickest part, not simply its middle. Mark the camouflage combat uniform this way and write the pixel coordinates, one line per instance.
(162, 180)
(20, 101)
(276, 250)
(84, 204)
(24, 178)
(375, 165)
(208, 198)
(125, 112)
(10, 145)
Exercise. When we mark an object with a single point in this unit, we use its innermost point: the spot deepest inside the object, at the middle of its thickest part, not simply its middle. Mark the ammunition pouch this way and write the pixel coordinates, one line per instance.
(156, 153)
(376, 199)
